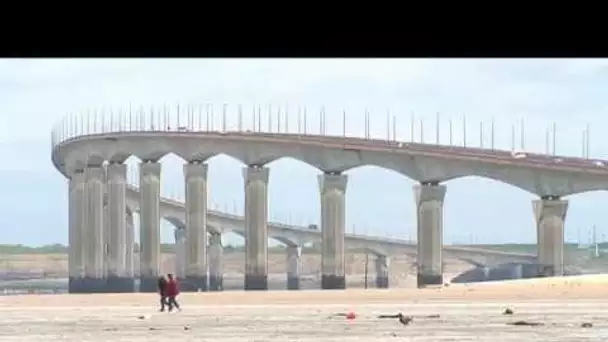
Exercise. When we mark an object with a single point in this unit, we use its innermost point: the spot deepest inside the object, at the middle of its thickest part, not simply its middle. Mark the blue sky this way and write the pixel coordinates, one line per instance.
(34, 94)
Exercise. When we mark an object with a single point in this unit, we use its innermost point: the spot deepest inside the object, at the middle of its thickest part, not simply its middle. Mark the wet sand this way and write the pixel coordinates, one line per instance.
(467, 313)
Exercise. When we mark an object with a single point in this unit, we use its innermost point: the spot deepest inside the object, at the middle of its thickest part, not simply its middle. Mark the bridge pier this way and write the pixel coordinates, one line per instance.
(180, 253)
(332, 188)
(294, 267)
(429, 203)
(117, 280)
(195, 174)
(76, 237)
(149, 232)
(94, 281)
(216, 272)
(256, 227)
(550, 215)
(129, 252)
(382, 271)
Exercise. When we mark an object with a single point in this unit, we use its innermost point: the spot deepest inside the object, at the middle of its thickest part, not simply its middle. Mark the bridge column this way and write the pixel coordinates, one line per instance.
(294, 267)
(216, 272)
(94, 281)
(77, 239)
(256, 229)
(550, 215)
(429, 203)
(332, 188)
(180, 253)
(195, 174)
(382, 273)
(117, 279)
(129, 252)
(149, 231)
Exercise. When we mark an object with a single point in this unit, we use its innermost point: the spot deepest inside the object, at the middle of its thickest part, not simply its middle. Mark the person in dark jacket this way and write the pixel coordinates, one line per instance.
(171, 291)
(162, 291)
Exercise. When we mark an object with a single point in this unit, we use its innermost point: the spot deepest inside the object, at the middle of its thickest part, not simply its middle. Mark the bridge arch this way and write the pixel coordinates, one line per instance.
(488, 210)
(380, 202)
(291, 179)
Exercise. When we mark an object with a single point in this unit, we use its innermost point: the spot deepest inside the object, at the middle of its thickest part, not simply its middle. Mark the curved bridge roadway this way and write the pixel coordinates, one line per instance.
(294, 236)
(549, 177)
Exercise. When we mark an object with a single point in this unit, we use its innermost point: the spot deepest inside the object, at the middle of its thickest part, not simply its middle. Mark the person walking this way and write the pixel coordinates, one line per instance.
(162, 291)
(172, 291)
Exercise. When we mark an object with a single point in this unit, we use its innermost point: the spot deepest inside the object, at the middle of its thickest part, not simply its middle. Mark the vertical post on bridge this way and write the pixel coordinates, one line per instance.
(394, 128)
(481, 134)
(269, 118)
(240, 127)
(224, 117)
(492, 134)
(287, 118)
(523, 132)
(304, 120)
(412, 127)
(464, 130)
(207, 117)
(437, 129)
(450, 132)
(343, 123)
(388, 125)
(554, 129)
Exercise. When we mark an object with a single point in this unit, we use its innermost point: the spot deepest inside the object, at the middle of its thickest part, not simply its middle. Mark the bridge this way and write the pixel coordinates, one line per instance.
(94, 163)
(296, 236)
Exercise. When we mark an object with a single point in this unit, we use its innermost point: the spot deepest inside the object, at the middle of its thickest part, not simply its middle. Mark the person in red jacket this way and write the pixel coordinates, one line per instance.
(171, 291)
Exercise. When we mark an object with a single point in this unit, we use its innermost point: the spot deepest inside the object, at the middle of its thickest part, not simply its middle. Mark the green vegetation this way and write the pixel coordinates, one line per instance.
(21, 249)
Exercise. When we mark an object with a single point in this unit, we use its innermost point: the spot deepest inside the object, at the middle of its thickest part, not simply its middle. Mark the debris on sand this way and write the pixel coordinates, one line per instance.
(144, 317)
(405, 320)
(340, 314)
(586, 325)
(187, 327)
(348, 315)
(152, 328)
(526, 323)
(432, 316)
(508, 311)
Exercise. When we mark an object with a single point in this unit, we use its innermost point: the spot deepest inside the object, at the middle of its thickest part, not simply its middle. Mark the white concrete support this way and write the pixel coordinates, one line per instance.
(130, 249)
(106, 237)
(195, 174)
(117, 279)
(256, 227)
(216, 271)
(180, 252)
(550, 215)
(382, 271)
(76, 261)
(149, 232)
(294, 267)
(429, 203)
(333, 210)
(93, 236)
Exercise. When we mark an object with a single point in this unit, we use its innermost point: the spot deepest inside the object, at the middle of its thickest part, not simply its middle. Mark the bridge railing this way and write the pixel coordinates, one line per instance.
(199, 118)
(276, 120)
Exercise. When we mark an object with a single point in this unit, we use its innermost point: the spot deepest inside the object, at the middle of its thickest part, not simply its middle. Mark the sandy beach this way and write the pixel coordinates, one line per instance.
(466, 313)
